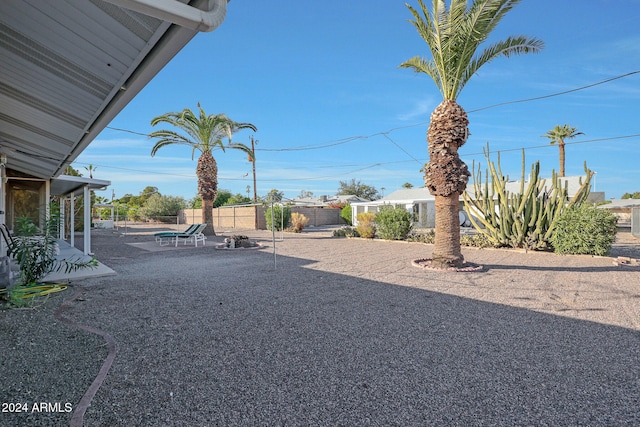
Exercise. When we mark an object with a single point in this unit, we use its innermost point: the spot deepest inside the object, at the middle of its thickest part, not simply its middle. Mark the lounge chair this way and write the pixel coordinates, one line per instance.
(169, 235)
(193, 233)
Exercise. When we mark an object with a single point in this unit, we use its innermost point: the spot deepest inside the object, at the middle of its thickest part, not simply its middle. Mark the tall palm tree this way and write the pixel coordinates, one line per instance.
(557, 135)
(454, 34)
(205, 134)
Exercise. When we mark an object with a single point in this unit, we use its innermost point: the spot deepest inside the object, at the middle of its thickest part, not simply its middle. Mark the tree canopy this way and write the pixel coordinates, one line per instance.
(357, 188)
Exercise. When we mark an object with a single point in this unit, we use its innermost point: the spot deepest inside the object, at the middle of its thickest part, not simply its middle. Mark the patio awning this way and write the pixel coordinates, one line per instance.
(66, 184)
(70, 66)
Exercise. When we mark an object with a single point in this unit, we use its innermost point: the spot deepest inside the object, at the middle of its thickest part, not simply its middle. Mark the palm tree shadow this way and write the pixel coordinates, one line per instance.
(566, 269)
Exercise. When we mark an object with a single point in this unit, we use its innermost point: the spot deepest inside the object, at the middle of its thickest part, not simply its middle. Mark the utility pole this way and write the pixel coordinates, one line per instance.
(255, 190)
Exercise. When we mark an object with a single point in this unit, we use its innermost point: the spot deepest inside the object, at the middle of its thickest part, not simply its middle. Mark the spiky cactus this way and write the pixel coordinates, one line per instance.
(524, 219)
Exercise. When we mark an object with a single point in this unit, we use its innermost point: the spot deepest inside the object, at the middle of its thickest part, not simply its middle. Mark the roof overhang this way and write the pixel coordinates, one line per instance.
(66, 184)
(70, 66)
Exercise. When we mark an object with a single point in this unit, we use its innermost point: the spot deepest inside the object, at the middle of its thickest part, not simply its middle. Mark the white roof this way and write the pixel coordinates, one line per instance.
(405, 195)
(421, 194)
(621, 204)
(326, 200)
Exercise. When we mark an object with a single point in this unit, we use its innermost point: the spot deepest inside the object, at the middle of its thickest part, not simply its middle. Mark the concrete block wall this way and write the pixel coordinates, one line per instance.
(244, 217)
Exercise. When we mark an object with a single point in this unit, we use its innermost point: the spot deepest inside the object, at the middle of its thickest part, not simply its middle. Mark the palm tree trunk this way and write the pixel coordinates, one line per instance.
(207, 216)
(446, 250)
(561, 147)
(207, 173)
(446, 176)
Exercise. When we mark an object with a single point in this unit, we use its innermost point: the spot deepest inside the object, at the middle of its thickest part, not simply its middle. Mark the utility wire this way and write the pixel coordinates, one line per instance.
(368, 166)
(333, 143)
(386, 133)
(537, 98)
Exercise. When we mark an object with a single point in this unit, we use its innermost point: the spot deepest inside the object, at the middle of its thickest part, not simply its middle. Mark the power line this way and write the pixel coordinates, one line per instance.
(386, 133)
(368, 166)
(537, 98)
(636, 135)
(333, 143)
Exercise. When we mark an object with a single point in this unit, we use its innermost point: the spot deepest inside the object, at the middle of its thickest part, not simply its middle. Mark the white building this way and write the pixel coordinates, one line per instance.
(421, 203)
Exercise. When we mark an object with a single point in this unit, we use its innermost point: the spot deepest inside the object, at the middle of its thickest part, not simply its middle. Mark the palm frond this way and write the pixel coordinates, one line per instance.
(454, 35)
(200, 131)
(515, 45)
(242, 147)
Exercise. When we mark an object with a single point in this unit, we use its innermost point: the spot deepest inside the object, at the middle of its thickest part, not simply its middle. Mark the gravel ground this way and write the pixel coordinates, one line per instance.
(337, 332)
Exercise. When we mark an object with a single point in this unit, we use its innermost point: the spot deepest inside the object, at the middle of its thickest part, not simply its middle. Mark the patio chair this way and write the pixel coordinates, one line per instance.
(194, 235)
(170, 235)
(8, 238)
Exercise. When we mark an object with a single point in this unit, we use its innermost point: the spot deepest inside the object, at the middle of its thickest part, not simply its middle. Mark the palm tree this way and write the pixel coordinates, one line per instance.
(91, 169)
(203, 133)
(453, 35)
(557, 135)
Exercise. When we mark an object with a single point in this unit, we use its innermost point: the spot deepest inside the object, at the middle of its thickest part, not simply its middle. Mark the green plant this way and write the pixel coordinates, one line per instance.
(345, 214)
(366, 226)
(523, 219)
(584, 230)
(35, 250)
(162, 208)
(346, 232)
(282, 215)
(393, 223)
(428, 237)
(298, 222)
(477, 240)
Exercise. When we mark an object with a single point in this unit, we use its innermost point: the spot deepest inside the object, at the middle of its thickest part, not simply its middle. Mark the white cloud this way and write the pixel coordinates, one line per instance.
(420, 111)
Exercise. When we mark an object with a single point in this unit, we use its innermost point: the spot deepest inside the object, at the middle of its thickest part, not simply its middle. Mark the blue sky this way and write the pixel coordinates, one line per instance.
(324, 76)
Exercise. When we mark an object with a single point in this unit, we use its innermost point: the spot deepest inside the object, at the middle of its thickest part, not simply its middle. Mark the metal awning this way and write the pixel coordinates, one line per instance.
(70, 66)
(65, 184)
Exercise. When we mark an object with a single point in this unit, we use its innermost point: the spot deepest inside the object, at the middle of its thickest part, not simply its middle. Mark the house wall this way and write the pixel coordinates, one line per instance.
(424, 213)
(623, 214)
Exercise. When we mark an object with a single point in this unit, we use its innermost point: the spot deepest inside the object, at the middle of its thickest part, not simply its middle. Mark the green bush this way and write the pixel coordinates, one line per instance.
(428, 237)
(346, 232)
(366, 226)
(394, 223)
(345, 214)
(477, 240)
(282, 216)
(160, 207)
(584, 230)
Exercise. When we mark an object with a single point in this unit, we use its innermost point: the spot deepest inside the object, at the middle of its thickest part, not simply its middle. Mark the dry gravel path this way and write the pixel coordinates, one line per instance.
(340, 332)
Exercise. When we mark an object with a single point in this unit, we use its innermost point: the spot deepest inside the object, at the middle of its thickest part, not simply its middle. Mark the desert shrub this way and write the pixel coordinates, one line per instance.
(298, 222)
(393, 223)
(282, 216)
(477, 240)
(584, 229)
(345, 214)
(422, 237)
(366, 225)
(346, 232)
(161, 208)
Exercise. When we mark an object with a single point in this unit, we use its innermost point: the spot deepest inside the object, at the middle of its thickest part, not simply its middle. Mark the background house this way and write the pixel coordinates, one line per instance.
(421, 203)
(327, 200)
(622, 209)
